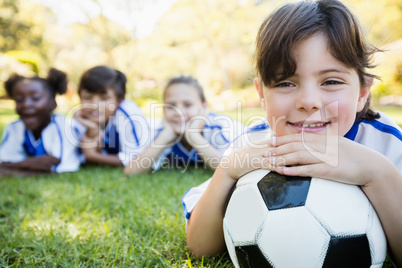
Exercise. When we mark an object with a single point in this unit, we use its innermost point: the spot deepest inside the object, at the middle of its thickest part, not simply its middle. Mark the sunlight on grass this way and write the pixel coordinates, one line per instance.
(97, 217)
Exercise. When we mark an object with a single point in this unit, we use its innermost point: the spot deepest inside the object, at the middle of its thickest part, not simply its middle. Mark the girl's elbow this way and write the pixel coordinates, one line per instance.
(201, 247)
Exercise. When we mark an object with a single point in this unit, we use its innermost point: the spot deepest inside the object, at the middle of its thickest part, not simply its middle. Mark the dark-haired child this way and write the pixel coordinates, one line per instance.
(39, 140)
(113, 130)
(189, 134)
(313, 83)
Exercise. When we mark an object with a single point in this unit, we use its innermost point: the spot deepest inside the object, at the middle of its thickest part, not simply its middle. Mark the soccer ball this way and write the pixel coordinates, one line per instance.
(272, 220)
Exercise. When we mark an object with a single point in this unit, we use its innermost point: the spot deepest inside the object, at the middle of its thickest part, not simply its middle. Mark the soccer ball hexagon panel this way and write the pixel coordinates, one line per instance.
(277, 221)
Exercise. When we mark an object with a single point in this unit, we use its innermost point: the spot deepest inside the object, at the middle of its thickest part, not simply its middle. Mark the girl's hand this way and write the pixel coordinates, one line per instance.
(168, 134)
(92, 127)
(43, 163)
(250, 153)
(196, 124)
(91, 145)
(329, 157)
(193, 130)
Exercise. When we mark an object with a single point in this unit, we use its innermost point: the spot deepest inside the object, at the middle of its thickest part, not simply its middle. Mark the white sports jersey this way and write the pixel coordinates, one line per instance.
(126, 134)
(56, 140)
(382, 135)
(219, 131)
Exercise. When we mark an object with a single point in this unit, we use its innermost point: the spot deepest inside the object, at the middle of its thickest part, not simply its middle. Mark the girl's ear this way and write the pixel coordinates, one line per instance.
(205, 105)
(259, 87)
(53, 104)
(364, 93)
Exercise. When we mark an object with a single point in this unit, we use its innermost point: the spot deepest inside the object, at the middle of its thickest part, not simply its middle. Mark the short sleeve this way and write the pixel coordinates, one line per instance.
(134, 132)
(11, 149)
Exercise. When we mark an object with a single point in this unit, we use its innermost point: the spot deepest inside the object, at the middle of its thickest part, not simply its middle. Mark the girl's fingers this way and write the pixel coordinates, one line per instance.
(314, 170)
(306, 138)
(297, 158)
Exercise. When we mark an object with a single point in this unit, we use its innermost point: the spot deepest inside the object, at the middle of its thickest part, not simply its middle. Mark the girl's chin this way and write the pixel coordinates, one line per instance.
(178, 131)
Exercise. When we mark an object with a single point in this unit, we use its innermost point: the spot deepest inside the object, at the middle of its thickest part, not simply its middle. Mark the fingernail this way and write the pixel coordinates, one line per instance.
(286, 170)
(267, 153)
(272, 160)
(273, 141)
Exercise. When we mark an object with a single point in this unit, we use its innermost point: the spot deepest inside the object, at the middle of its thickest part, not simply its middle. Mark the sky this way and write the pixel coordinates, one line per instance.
(141, 15)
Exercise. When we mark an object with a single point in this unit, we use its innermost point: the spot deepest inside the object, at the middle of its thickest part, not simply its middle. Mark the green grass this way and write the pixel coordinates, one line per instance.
(98, 217)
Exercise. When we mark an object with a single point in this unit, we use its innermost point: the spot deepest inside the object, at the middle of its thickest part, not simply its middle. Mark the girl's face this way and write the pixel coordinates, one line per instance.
(34, 105)
(99, 107)
(322, 96)
(182, 102)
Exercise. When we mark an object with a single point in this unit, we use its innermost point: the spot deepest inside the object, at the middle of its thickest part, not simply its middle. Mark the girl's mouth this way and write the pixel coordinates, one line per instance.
(28, 116)
(310, 126)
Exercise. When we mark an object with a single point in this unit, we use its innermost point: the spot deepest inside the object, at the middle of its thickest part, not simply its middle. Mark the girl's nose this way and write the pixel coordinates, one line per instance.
(308, 99)
(27, 102)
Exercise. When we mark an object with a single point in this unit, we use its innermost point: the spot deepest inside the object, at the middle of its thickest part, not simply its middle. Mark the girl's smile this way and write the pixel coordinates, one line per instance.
(34, 105)
(182, 102)
(309, 126)
(323, 95)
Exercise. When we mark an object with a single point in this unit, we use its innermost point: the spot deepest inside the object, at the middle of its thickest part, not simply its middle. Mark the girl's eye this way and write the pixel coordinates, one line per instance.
(36, 98)
(187, 105)
(332, 83)
(18, 99)
(284, 84)
(86, 97)
(170, 106)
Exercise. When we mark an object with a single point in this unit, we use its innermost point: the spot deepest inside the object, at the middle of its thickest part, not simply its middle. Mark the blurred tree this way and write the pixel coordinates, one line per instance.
(381, 21)
(212, 40)
(14, 29)
(20, 31)
(21, 39)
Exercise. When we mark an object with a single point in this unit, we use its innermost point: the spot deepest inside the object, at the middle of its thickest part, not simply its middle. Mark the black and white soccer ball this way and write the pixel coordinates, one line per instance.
(273, 220)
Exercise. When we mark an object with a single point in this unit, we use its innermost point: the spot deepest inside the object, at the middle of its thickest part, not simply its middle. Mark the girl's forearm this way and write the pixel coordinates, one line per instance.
(384, 192)
(149, 155)
(208, 153)
(96, 157)
(205, 226)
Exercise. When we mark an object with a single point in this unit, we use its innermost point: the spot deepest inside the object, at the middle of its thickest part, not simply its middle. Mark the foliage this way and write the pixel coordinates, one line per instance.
(212, 40)
(20, 31)
(15, 29)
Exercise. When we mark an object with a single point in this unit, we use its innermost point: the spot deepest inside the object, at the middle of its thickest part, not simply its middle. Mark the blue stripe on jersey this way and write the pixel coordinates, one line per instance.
(157, 132)
(351, 135)
(260, 127)
(5, 138)
(377, 125)
(132, 125)
(385, 128)
(111, 140)
(186, 213)
(218, 127)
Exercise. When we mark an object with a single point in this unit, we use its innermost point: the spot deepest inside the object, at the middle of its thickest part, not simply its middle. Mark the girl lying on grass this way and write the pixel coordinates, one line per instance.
(311, 61)
(189, 134)
(39, 141)
(112, 129)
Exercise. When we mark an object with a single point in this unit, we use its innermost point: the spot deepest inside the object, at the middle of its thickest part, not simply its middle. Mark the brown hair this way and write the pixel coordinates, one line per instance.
(189, 80)
(293, 23)
(99, 78)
